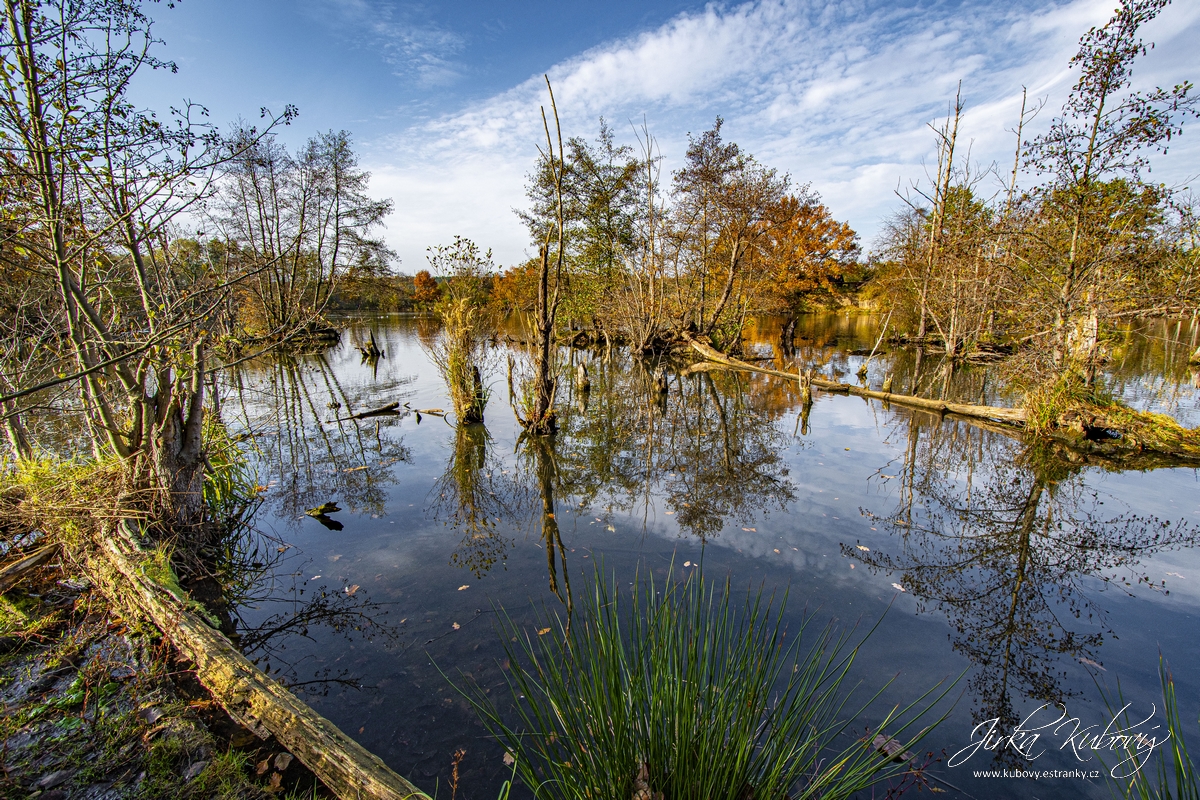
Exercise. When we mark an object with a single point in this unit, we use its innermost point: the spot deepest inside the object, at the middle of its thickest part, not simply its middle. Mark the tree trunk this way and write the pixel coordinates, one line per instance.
(177, 453)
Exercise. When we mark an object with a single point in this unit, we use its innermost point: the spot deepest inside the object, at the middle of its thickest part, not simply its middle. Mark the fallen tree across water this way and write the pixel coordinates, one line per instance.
(122, 570)
(1012, 416)
(1110, 435)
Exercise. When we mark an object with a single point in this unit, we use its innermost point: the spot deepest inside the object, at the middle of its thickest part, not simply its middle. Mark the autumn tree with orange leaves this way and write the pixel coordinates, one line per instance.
(807, 256)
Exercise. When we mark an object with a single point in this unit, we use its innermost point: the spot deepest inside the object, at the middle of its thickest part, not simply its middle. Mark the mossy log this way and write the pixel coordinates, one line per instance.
(13, 572)
(254, 699)
(1010, 416)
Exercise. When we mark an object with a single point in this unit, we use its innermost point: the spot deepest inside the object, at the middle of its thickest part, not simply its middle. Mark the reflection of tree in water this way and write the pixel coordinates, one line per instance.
(710, 444)
(247, 574)
(283, 401)
(540, 458)
(474, 496)
(999, 538)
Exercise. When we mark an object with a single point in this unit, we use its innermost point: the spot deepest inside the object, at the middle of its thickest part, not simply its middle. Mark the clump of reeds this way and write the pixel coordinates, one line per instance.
(230, 481)
(1174, 776)
(689, 691)
(458, 354)
(1046, 402)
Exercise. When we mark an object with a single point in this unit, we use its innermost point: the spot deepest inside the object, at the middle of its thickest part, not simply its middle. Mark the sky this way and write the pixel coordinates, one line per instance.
(442, 99)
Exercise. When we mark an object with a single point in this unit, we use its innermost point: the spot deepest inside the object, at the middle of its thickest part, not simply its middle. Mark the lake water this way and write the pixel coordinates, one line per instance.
(1043, 580)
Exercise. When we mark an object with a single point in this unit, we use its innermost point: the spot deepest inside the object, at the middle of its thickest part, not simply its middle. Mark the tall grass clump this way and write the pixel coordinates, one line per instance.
(688, 692)
(230, 481)
(458, 355)
(1174, 776)
(1046, 403)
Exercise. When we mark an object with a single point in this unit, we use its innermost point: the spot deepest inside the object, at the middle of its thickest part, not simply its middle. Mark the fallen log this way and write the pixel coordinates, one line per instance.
(387, 410)
(12, 573)
(252, 698)
(1009, 416)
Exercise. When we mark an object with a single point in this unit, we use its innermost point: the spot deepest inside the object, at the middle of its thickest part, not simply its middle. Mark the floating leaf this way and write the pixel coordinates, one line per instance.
(543, 631)
(752, 530)
(455, 625)
(1091, 663)
(864, 549)
(508, 759)
(464, 586)
(611, 528)
(350, 590)
(897, 587)
(777, 550)
(687, 563)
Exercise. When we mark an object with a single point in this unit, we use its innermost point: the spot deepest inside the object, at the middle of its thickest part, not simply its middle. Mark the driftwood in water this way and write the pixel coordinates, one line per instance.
(1011, 416)
(251, 697)
(370, 351)
(12, 573)
(382, 411)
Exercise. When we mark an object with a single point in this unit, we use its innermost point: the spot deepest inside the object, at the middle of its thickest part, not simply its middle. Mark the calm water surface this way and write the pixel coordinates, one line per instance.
(1042, 580)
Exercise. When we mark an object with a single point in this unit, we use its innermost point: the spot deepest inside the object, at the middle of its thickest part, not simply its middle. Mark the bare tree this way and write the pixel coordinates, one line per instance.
(101, 187)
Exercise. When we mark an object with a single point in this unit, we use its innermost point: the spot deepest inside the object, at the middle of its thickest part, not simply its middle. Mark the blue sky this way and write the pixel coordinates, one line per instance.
(442, 98)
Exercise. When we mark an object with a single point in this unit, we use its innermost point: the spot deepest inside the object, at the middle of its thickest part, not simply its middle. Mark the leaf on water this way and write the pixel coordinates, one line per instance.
(752, 530)
(464, 586)
(1091, 663)
(355, 469)
(687, 563)
(611, 528)
(897, 587)
(314, 577)
(543, 631)
(777, 550)
(889, 477)
(455, 625)
(864, 549)
(283, 549)
(508, 759)
(350, 590)
(670, 512)
(335, 558)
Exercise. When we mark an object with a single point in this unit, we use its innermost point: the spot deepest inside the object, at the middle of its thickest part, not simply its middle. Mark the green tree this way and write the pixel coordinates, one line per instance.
(1103, 132)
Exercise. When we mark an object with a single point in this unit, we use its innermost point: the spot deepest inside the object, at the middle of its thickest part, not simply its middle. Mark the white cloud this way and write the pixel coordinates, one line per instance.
(413, 47)
(837, 94)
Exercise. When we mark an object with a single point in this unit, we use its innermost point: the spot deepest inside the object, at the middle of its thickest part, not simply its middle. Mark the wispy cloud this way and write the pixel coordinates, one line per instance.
(415, 47)
(837, 94)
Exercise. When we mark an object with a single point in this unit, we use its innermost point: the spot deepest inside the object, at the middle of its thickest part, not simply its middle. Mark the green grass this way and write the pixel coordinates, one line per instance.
(706, 690)
(1173, 776)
